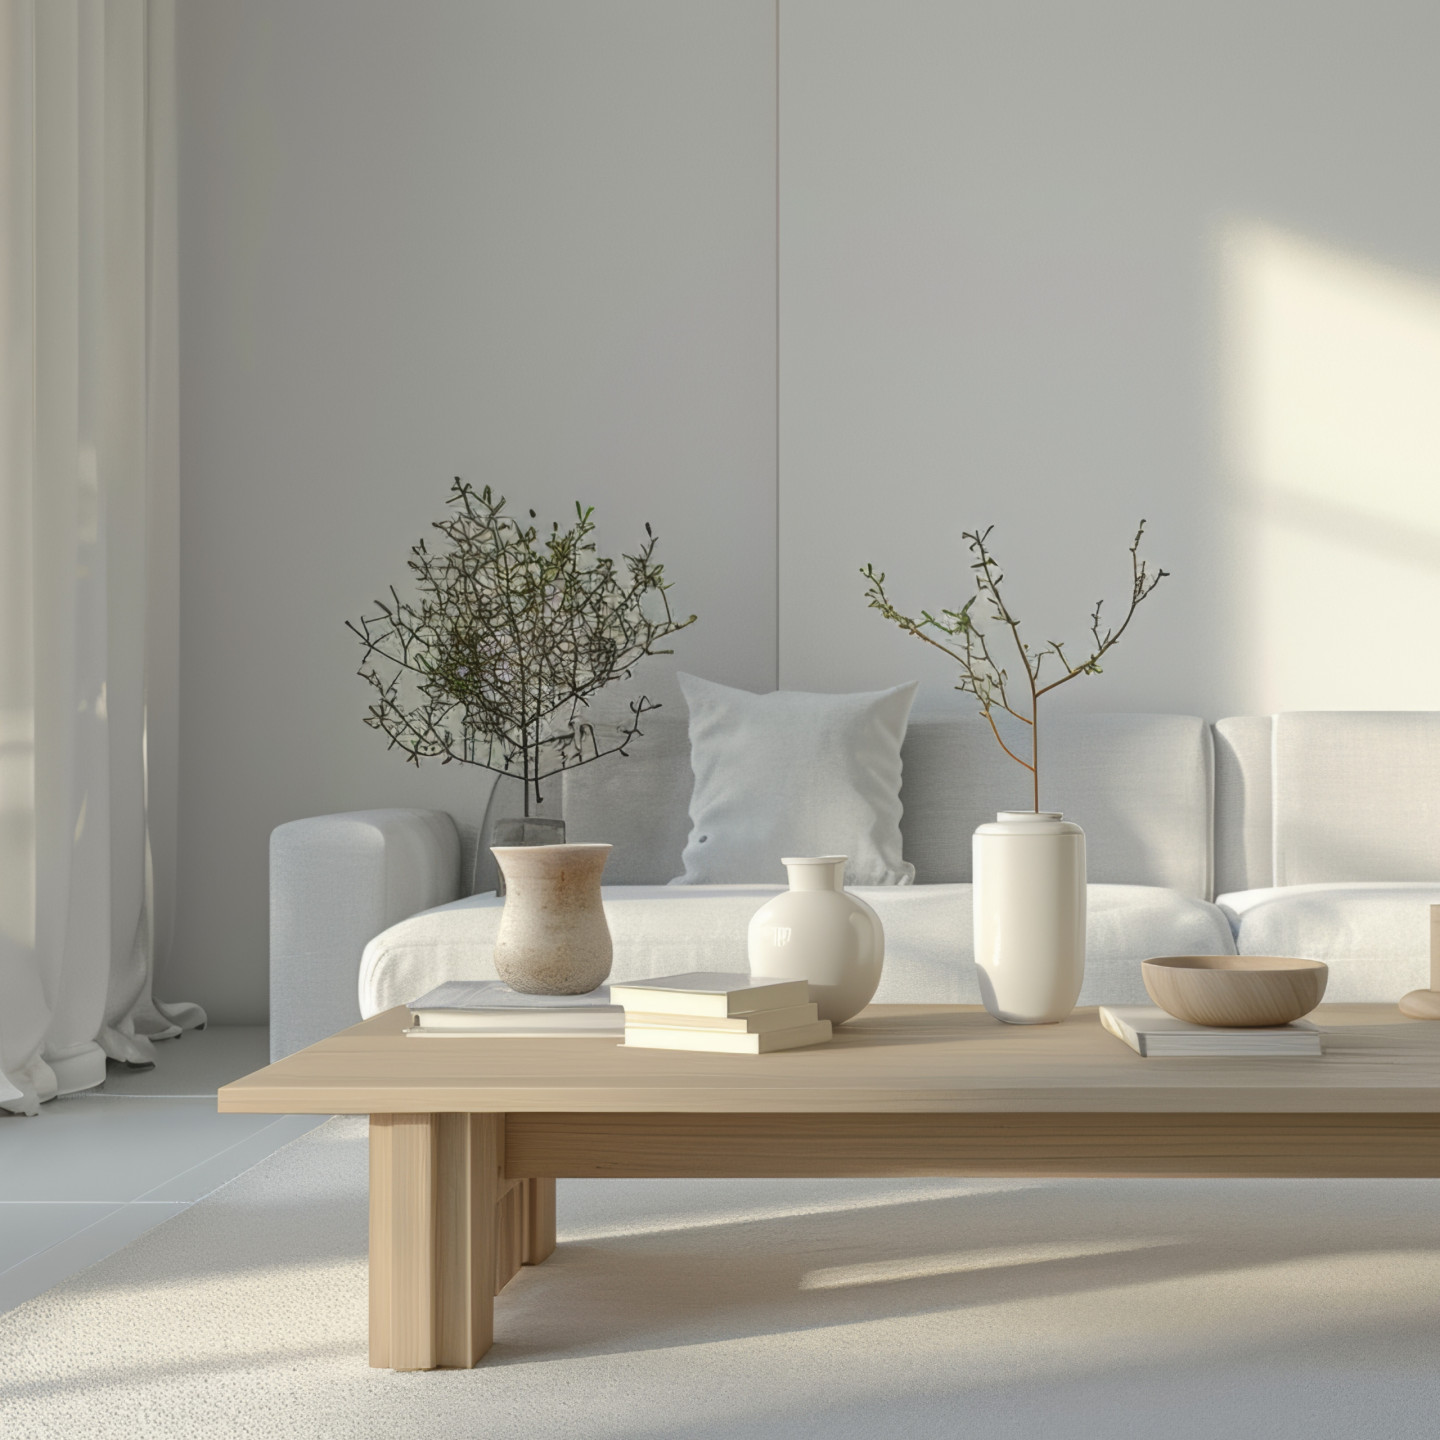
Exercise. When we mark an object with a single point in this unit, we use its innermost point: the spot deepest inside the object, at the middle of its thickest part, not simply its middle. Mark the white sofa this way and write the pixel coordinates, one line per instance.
(1311, 834)
(1327, 842)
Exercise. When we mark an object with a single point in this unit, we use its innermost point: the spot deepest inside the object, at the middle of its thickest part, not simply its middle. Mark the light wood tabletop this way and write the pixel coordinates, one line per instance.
(467, 1136)
(904, 1059)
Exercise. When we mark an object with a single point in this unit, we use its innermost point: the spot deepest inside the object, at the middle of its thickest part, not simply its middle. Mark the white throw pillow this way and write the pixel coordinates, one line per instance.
(792, 773)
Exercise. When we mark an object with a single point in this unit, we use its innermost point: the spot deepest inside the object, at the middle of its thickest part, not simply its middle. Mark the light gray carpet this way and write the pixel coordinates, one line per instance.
(768, 1308)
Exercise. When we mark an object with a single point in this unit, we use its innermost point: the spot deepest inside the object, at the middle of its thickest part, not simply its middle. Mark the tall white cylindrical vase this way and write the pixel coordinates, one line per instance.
(1029, 874)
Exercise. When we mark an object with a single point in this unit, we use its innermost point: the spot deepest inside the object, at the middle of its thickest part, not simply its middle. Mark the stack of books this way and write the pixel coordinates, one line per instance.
(490, 1007)
(731, 1013)
(1149, 1031)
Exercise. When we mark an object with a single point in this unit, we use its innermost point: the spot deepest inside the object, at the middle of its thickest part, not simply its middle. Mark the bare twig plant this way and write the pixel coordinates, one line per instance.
(510, 636)
(981, 675)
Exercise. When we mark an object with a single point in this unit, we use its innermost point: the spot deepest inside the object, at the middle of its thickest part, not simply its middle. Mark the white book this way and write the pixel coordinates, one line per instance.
(710, 992)
(673, 1037)
(607, 1021)
(614, 1035)
(1149, 1031)
(490, 1007)
(497, 995)
(753, 1022)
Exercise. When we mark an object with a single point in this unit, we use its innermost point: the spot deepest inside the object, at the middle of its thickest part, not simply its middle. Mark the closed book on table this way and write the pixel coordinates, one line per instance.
(1150, 1032)
(710, 993)
(520, 1023)
(490, 1007)
(751, 1022)
(674, 1037)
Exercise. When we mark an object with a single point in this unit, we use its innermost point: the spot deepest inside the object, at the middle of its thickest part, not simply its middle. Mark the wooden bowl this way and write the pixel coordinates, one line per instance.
(1235, 990)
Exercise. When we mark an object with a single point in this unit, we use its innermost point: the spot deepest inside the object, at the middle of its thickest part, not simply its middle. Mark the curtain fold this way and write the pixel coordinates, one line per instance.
(89, 507)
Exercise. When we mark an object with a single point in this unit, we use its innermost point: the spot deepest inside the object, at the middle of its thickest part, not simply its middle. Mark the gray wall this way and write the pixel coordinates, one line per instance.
(531, 244)
(1056, 267)
(1043, 265)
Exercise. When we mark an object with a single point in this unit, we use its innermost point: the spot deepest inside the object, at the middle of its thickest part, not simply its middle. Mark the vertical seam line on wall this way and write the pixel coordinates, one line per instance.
(33, 182)
(777, 344)
(1275, 866)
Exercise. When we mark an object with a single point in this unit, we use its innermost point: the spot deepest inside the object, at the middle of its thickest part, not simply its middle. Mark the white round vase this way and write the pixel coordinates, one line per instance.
(1029, 874)
(553, 938)
(818, 931)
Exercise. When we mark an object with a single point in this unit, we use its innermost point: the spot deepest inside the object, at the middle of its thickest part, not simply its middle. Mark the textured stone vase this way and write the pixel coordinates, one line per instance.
(526, 830)
(818, 931)
(553, 938)
(1029, 873)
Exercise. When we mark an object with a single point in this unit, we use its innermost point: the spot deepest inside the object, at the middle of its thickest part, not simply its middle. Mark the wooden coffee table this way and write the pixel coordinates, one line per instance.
(467, 1136)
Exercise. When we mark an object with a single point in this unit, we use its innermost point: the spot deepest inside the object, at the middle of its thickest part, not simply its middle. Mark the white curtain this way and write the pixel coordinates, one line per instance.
(89, 533)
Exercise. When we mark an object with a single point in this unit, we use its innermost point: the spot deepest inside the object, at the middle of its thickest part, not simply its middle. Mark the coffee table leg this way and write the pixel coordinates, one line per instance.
(539, 1221)
(509, 1234)
(434, 1182)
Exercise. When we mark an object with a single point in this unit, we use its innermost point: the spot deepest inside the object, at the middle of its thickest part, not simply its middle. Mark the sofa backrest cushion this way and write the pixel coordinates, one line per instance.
(1356, 796)
(1244, 804)
(1141, 785)
(638, 803)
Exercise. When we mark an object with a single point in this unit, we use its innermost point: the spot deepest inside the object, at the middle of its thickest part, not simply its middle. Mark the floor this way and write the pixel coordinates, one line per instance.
(769, 1310)
(94, 1171)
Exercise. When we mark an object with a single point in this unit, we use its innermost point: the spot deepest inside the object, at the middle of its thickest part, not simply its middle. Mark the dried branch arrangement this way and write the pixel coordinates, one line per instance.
(510, 636)
(981, 675)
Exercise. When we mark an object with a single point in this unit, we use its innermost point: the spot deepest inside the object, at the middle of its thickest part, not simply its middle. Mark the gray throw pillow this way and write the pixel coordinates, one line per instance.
(792, 773)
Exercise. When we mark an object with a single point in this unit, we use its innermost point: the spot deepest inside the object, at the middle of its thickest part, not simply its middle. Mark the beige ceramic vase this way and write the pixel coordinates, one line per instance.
(553, 939)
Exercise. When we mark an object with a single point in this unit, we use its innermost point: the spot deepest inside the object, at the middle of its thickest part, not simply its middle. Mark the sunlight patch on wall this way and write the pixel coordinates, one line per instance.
(1332, 374)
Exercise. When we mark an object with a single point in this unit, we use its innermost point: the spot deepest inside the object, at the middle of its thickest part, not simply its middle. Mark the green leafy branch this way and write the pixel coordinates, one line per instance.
(981, 675)
(510, 636)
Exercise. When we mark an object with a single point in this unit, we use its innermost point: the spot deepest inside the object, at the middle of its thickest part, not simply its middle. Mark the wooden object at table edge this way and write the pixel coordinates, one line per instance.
(449, 1229)
(1425, 1004)
(895, 1059)
(1036, 1146)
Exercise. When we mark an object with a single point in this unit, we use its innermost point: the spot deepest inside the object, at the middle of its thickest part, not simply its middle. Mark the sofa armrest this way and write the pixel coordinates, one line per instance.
(337, 881)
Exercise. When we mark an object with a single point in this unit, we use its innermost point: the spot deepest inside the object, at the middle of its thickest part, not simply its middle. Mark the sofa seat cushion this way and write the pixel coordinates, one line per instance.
(1374, 935)
(929, 957)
